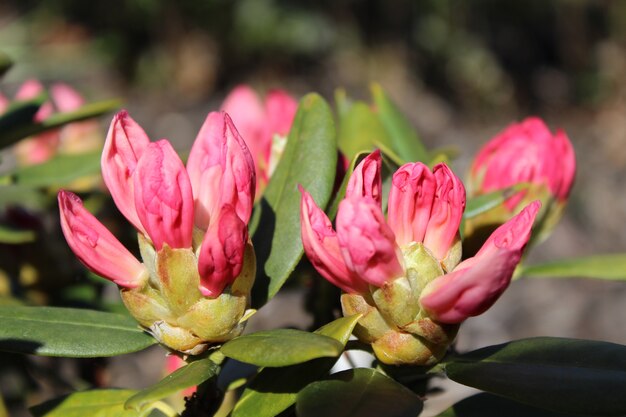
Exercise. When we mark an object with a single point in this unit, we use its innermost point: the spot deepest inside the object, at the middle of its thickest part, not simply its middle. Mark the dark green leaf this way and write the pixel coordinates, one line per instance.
(482, 203)
(357, 392)
(94, 403)
(14, 236)
(274, 390)
(310, 159)
(563, 375)
(281, 347)
(599, 266)
(18, 115)
(5, 63)
(404, 139)
(52, 331)
(487, 405)
(13, 128)
(59, 170)
(190, 375)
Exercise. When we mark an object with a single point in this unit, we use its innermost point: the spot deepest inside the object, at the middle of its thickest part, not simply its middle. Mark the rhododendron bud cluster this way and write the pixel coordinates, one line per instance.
(404, 273)
(529, 155)
(193, 286)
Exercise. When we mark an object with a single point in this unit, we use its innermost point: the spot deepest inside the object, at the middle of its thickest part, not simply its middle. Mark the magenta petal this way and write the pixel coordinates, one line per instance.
(163, 196)
(222, 252)
(410, 202)
(322, 247)
(367, 243)
(366, 179)
(95, 246)
(124, 145)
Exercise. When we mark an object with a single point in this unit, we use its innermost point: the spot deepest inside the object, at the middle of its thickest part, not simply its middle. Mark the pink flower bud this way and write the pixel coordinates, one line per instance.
(95, 246)
(124, 145)
(446, 213)
(322, 247)
(525, 152)
(410, 202)
(476, 283)
(221, 255)
(365, 181)
(163, 196)
(65, 98)
(221, 170)
(367, 243)
(280, 109)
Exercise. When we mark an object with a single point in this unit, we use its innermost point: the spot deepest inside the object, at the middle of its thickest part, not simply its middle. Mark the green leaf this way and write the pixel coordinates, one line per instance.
(281, 347)
(59, 170)
(190, 375)
(563, 375)
(69, 332)
(13, 128)
(274, 390)
(611, 267)
(357, 392)
(340, 194)
(487, 405)
(404, 138)
(94, 403)
(485, 202)
(310, 159)
(18, 115)
(14, 236)
(22, 196)
(5, 63)
(360, 130)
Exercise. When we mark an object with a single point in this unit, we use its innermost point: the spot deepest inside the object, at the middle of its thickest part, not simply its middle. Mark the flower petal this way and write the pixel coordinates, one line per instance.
(322, 247)
(366, 179)
(367, 243)
(65, 98)
(125, 143)
(410, 202)
(476, 283)
(221, 255)
(95, 246)
(163, 196)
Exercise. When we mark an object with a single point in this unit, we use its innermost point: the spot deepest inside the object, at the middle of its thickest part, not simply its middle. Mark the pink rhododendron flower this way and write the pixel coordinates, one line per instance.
(264, 125)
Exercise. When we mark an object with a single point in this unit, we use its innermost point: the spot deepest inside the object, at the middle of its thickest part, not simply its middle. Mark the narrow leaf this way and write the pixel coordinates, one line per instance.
(21, 195)
(310, 159)
(69, 332)
(357, 392)
(563, 375)
(274, 390)
(14, 236)
(404, 138)
(612, 267)
(190, 375)
(59, 170)
(485, 202)
(360, 130)
(341, 193)
(94, 403)
(18, 115)
(5, 63)
(281, 347)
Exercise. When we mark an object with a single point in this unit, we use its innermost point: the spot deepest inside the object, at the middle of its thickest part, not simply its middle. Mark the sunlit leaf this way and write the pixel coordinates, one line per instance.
(357, 392)
(281, 347)
(485, 202)
(190, 375)
(310, 160)
(563, 375)
(69, 332)
(94, 403)
(59, 170)
(15, 236)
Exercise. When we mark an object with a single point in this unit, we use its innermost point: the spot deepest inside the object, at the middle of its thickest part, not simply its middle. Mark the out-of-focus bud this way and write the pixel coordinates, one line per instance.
(263, 125)
(197, 272)
(524, 153)
(403, 275)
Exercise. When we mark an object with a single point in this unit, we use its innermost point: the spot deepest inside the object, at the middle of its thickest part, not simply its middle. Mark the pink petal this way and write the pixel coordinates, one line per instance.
(95, 246)
(476, 283)
(367, 243)
(222, 252)
(31, 89)
(65, 97)
(447, 211)
(163, 196)
(280, 109)
(410, 202)
(125, 143)
(366, 180)
(322, 247)
(562, 178)
(221, 170)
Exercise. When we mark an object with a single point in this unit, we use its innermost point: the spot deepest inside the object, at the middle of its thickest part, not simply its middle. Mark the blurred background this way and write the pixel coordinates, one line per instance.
(461, 71)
